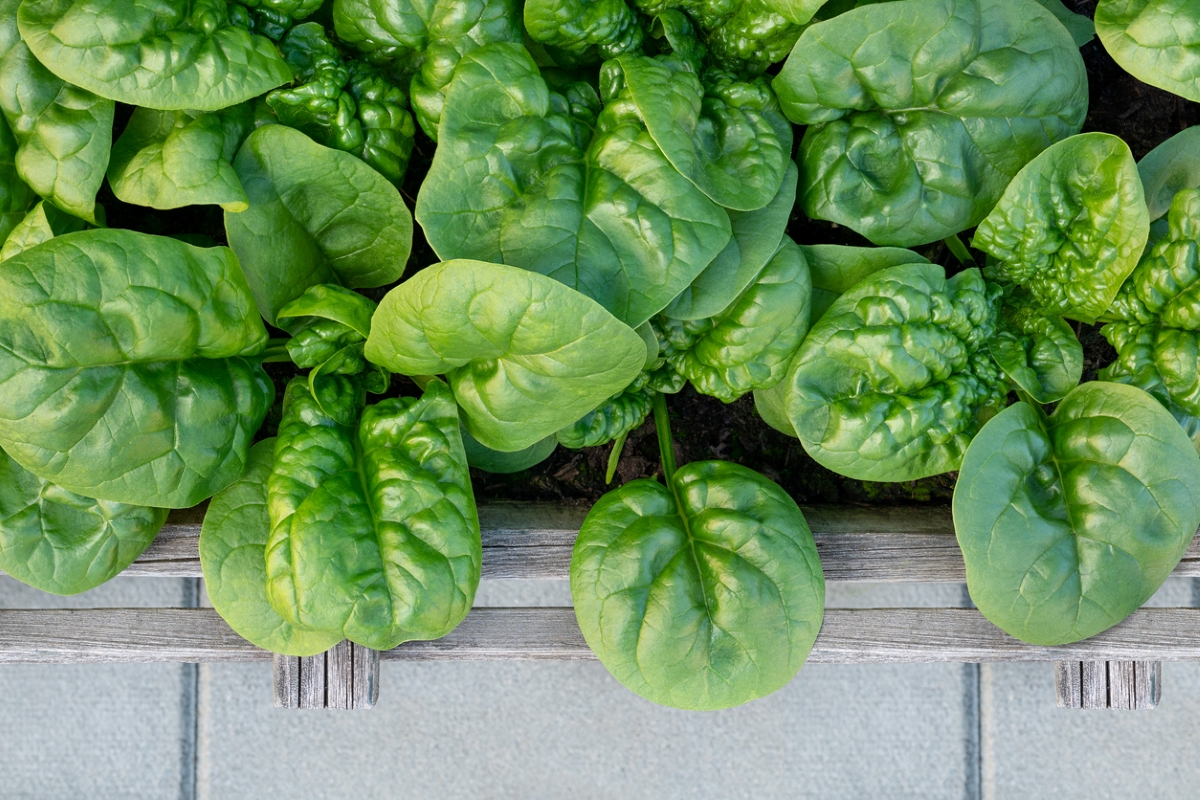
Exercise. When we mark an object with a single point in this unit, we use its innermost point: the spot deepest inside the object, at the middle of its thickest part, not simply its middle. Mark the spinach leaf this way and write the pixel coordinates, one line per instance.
(1038, 351)
(165, 54)
(889, 385)
(771, 405)
(524, 354)
(920, 112)
(63, 133)
(233, 543)
(494, 461)
(171, 159)
(1155, 319)
(549, 182)
(836, 269)
(15, 195)
(1169, 169)
(127, 369)
(756, 238)
(41, 224)
(60, 542)
(403, 560)
(1081, 28)
(316, 215)
(425, 40)
(1155, 41)
(702, 594)
(617, 417)
(1068, 523)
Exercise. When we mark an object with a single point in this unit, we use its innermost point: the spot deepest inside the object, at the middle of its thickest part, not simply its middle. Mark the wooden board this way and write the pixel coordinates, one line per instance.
(898, 635)
(533, 541)
(344, 677)
(1123, 685)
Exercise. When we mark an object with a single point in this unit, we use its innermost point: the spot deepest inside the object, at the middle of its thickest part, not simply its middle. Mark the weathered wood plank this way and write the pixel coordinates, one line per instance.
(1121, 689)
(287, 681)
(1095, 684)
(339, 676)
(1068, 684)
(1147, 682)
(895, 635)
(312, 681)
(365, 676)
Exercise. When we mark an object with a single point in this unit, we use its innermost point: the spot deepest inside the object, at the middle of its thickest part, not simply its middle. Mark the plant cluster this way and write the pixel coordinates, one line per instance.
(608, 201)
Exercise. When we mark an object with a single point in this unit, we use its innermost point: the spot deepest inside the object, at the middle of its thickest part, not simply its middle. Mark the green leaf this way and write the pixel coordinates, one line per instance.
(233, 542)
(41, 224)
(728, 137)
(317, 215)
(1040, 353)
(1070, 227)
(920, 112)
(60, 542)
(171, 159)
(1169, 169)
(15, 195)
(583, 32)
(836, 269)
(890, 383)
(756, 237)
(535, 179)
(64, 133)
(403, 560)
(425, 40)
(771, 405)
(121, 49)
(1155, 41)
(1081, 28)
(1069, 523)
(703, 595)
(616, 418)
(1155, 319)
(127, 369)
(750, 344)
(499, 463)
(524, 354)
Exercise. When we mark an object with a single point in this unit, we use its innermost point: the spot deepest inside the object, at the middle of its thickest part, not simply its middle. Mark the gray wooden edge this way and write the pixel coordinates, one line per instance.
(900, 635)
(533, 541)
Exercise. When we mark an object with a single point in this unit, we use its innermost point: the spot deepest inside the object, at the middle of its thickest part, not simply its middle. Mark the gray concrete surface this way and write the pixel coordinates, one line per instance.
(532, 731)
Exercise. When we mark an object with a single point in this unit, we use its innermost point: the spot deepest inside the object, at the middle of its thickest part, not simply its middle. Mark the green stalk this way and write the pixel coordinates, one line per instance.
(614, 457)
(666, 447)
(959, 250)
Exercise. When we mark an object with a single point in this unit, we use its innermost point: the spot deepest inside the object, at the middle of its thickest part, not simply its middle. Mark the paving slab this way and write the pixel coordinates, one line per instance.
(98, 731)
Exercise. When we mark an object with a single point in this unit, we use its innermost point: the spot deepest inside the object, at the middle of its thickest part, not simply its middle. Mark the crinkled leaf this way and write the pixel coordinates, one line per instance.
(920, 112)
(579, 32)
(64, 133)
(617, 417)
(703, 595)
(1069, 523)
(1169, 169)
(756, 237)
(233, 542)
(171, 159)
(533, 178)
(750, 344)
(889, 384)
(726, 136)
(60, 542)
(402, 561)
(316, 215)
(1070, 227)
(1081, 28)
(836, 269)
(1155, 41)
(1155, 319)
(166, 54)
(524, 354)
(41, 224)
(127, 369)
(1040, 353)
(425, 40)
(496, 462)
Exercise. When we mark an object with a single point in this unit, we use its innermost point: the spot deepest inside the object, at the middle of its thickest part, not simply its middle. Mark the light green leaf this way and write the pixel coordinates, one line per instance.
(1069, 523)
(836, 269)
(702, 595)
(41, 224)
(1169, 169)
(524, 354)
(617, 417)
(1155, 41)
(1040, 353)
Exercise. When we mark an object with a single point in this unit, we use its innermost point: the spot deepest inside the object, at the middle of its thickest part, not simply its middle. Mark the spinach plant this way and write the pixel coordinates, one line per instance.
(1156, 41)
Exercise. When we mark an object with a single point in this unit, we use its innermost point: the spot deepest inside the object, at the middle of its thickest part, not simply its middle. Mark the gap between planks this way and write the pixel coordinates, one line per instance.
(533, 541)
(900, 635)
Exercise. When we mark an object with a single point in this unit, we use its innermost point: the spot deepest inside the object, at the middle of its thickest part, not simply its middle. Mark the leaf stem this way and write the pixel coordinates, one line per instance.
(614, 457)
(666, 447)
(959, 250)
(275, 352)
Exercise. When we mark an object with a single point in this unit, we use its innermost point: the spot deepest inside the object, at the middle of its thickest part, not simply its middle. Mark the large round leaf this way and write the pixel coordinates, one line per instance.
(524, 354)
(1155, 41)
(126, 369)
(233, 545)
(61, 542)
(1069, 523)
(703, 595)
(317, 215)
(889, 384)
(168, 54)
(836, 269)
(920, 112)
(1169, 169)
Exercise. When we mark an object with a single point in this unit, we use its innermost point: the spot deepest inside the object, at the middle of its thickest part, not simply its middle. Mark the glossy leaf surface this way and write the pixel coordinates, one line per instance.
(499, 463)
(704, 595)
(95, 398)
(1040, 353)
(524, 354)
(836, 269)
(618, 416)
(41, 224)
(1069, 523)
(1155, 41)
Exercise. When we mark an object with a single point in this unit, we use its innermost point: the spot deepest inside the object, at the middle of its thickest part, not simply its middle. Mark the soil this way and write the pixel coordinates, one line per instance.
(703, 427)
